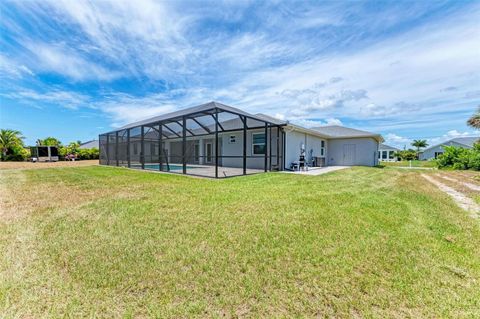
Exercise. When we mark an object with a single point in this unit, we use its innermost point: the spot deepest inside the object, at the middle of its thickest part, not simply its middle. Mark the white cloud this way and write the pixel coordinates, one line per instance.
(11, 68)
(397, 141)
(273, 66)
(65, 99)
(315, 123)
(66, 62)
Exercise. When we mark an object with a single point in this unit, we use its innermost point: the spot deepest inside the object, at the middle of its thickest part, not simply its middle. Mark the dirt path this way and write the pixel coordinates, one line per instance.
(463, 201)
(466, 184)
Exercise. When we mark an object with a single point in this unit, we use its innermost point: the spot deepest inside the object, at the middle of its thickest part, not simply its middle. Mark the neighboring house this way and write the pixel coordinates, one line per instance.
(434, 151)
(218, 140)
(89, 144)
(387, 153)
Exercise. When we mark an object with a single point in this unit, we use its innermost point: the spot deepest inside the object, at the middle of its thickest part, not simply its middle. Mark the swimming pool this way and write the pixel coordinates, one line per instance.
(173, 167)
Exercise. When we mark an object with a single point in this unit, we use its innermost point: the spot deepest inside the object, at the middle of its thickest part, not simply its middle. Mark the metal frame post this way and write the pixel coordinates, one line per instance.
(216, 143)
(142, 147)
(284, 147)
(270, 147)
(128, 147)
(116, 147)
(108, 146)
(160, 147)
(244, 145)
(278, 147)
(266, 148)
(184, 145)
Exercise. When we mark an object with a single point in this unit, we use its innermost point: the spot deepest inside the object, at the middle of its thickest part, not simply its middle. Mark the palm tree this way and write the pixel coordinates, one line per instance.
(474, 120)
(419, 144)
(9, 139)
(49, 141)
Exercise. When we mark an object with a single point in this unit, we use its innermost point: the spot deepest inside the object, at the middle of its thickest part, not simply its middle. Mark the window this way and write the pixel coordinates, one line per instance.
(384, 155)
(135, 148)
(43, 151)
(379, 154)
(322, 148)
(152, 149)
(437, 154)
(232, 139)
(53, 151)
(258, 143)
(391, 154)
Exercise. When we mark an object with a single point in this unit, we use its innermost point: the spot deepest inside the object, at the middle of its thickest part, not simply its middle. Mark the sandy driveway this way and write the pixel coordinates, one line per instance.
(462, 189)
(29, 165)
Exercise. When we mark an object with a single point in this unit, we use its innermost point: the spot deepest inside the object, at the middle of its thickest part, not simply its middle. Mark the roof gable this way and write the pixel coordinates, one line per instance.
(337, 131)
(461, 141)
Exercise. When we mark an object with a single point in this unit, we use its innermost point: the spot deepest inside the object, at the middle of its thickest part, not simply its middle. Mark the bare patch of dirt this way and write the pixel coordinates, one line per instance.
(465, 184)
(460, 198)
(30, 165)
(20, 196)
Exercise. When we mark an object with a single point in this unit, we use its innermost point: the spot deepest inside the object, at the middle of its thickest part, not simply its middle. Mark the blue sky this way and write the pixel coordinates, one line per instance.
(74, 69)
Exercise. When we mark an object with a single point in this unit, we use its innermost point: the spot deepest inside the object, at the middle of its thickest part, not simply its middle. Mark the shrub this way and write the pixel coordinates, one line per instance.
(406, 155)
(460, 158)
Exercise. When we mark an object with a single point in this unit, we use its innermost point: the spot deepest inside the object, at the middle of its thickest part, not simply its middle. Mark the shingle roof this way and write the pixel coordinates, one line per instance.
(334, 131)
(387, 147)
(337, 131)
(90, 144)
(271, 119)
(466, 141)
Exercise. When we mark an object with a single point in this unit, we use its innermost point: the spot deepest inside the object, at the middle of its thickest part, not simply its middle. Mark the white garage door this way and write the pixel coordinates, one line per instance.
(348, 154)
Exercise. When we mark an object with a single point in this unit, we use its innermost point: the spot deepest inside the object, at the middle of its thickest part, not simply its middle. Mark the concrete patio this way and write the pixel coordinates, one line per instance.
(318, 170)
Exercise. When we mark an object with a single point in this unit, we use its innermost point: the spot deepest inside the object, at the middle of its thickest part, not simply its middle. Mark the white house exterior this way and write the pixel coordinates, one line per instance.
(387, 153)
(436, 150)
(229, 141)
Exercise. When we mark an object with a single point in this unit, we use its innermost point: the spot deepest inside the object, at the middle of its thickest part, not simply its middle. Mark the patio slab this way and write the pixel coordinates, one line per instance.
(318, 170)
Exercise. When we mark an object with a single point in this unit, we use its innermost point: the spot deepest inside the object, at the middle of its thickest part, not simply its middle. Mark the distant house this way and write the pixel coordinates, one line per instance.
(89, 144)
(434, 151)
(387, 153)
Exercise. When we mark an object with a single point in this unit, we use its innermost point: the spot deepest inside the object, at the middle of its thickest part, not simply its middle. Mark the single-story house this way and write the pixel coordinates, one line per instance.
(387, 153)
(436, 150)
(89, 144)
(218, 140)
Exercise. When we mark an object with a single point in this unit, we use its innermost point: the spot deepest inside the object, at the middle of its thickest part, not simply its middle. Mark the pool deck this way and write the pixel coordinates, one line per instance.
(207, 170)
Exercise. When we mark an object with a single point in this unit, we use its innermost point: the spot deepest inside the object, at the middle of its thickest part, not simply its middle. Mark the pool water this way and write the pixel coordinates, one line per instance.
(173, 167)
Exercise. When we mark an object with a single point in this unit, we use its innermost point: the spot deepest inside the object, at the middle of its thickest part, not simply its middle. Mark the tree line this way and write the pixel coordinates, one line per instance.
(14, 149)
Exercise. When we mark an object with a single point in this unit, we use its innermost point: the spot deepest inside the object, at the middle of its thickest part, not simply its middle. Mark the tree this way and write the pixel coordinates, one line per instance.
(49, 141)
(474, 120)
(406, 155)
(419, 144)
(10, 139)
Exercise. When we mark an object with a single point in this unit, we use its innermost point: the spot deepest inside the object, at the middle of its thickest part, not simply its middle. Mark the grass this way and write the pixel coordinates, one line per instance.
(108, 242)
(415, 163)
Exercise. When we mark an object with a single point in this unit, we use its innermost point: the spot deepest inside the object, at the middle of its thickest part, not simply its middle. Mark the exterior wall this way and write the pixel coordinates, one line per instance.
(366, 151)
(293, 144)
(174, 148)
(236, 149)
(429, 153)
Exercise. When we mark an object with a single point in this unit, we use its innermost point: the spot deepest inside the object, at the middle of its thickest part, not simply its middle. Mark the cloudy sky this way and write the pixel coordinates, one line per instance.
(74, 69)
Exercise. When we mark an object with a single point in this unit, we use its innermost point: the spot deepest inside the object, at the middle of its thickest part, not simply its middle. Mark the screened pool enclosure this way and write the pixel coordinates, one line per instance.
(211, 140)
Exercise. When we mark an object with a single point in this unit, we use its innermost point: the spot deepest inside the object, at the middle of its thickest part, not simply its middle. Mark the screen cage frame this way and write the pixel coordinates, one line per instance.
(179, 144)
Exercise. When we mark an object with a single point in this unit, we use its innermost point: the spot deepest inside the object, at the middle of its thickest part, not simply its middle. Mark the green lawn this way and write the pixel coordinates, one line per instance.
(110, 242)
(412, 163)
